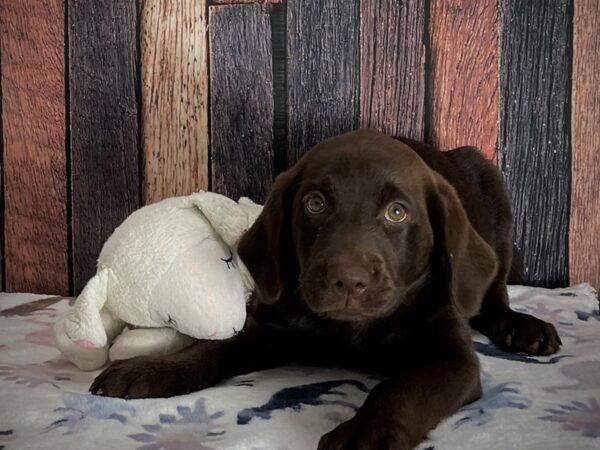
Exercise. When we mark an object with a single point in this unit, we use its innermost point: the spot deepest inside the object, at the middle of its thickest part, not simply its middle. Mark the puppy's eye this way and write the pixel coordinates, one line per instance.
(395, 212)
(314, 202)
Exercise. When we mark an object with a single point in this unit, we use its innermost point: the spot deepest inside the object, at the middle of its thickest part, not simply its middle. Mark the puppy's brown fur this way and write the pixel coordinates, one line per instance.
(373, 254)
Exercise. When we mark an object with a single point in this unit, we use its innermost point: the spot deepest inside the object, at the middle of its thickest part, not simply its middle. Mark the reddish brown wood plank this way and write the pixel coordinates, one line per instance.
(584, 246)
(174, 65)
(464, 52)
(105, 159)
(33, 105)
(241, 99)
(392, 66)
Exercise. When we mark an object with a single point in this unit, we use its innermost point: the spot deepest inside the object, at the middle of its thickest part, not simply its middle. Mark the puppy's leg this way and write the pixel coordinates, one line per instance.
(201, 365)
(400, 411)
(511, 330)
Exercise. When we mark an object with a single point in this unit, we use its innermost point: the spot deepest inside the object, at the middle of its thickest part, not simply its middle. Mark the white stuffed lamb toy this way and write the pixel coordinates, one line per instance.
(169, 274)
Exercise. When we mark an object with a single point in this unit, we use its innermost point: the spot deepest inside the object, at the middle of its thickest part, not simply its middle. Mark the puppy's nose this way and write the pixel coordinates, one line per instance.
(348, 280)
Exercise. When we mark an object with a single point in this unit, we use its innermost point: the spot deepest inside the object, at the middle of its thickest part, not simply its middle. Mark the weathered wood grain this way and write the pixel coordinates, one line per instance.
(103, 68)
(584, 245)
(241, 99)
(278, 45)
(534, 150)
(35, 183)
(2, 209)
(174, 71)
(322, 76)
(464, 58)
(392, 66)
(232, 2)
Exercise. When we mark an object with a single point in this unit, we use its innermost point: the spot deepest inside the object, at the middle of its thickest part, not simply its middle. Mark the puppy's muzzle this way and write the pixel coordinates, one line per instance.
(347, 282)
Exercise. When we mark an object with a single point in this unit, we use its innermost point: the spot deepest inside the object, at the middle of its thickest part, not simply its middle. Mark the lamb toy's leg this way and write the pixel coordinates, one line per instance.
(84, 324)
(88, 357)
(148, 342)
(84, 335)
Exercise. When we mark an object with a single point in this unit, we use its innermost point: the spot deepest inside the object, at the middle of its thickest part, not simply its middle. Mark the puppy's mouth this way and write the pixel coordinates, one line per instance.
(321, 299)
(349, 310)
(347, 315)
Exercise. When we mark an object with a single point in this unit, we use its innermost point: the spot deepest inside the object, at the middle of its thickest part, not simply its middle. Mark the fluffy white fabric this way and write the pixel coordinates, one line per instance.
(549, 403)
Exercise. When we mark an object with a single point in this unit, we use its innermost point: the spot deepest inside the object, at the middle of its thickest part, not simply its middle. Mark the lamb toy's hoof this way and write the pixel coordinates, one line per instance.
(85, 357)
(85, 344)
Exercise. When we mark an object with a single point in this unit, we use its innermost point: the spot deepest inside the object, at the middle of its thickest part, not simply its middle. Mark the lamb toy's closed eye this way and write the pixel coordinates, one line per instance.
(169, 274)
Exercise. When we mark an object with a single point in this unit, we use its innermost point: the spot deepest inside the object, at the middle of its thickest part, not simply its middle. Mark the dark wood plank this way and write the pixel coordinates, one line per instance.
(104, 125)
(174, 65)
(2, 208)
(584, 245)
(35, 180)
(279, 45)
(322, 77)
(464, 59)
(232, 2)
(534, 150)
(392, 66)
(241, 99)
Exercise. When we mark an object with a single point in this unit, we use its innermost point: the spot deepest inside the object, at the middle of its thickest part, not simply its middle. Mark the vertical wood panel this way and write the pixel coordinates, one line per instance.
(584, 246)
(174, 65)
(534, 148)
(392, 66)
(104, 125)
(279, 45)
(2, 208)
(33, 105)
(464, 55)
(229, 2)
(323, 65)
(241, 90)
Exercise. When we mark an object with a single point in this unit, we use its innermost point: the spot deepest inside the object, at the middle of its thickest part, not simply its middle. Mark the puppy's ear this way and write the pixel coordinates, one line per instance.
(466, 261)
(262, 248)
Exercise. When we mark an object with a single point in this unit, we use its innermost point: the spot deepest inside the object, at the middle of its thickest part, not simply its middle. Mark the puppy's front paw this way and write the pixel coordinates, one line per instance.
(518, 332)
(141, 377)
(364, 435)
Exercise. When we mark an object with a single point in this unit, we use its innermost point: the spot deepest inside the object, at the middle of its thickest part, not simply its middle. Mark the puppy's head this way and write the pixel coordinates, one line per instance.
(357, 224)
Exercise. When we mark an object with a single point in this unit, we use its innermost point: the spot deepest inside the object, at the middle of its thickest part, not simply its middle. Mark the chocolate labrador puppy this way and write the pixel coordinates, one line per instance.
(374, 254)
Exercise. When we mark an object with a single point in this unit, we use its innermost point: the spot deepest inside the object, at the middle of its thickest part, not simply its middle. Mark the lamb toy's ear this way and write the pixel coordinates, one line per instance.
(229, 219)
(85, 334)
(252, 209)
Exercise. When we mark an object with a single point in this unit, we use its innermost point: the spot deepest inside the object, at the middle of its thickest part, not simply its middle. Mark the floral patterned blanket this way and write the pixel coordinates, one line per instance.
(528, 403)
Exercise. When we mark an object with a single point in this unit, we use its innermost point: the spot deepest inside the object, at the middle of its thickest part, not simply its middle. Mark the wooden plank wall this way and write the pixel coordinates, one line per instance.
(35, 160)
(464, 72)
(584, 245)
(143, 99)
(322, 72)
(392, 67)
(105, 162)
(241, 86)
(174, 72)
(534, 149)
